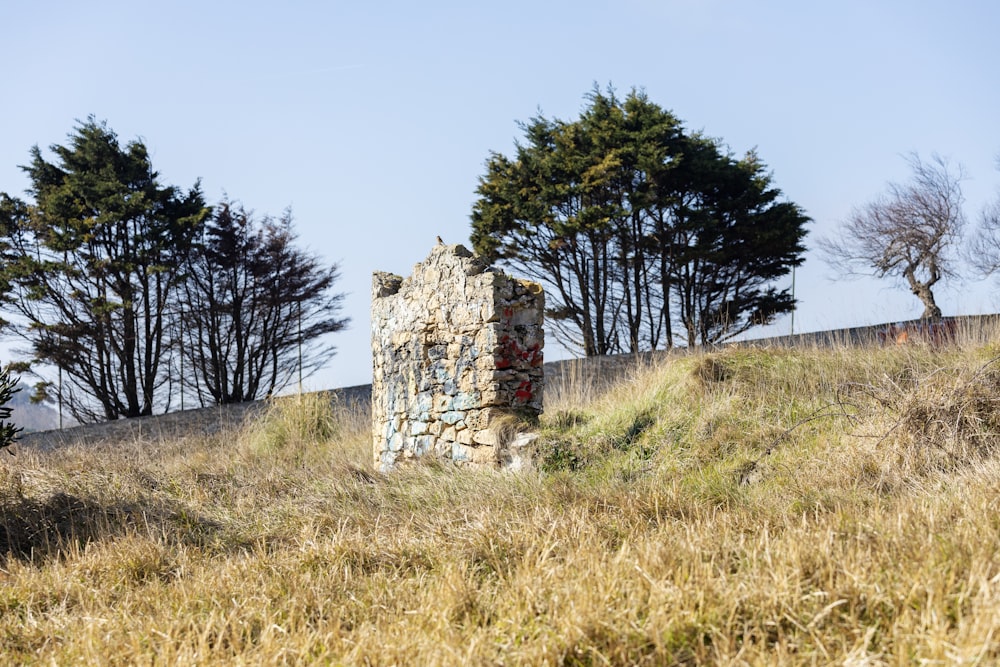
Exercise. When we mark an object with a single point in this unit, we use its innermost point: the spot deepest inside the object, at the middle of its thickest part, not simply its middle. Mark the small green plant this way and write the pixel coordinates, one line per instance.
(8, 430)
(561, 455)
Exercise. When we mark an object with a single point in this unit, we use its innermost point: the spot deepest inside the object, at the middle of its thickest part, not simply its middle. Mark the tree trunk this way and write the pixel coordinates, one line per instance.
(931, 310)
(923, 292)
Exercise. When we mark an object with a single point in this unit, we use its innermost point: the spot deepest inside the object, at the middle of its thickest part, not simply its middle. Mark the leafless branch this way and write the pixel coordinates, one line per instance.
(984, 248)
(908, 232)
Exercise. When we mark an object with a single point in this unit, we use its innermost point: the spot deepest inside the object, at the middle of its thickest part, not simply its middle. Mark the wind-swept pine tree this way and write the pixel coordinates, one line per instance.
(256, 310)
(641, 232)
(8, 430)
(91, 262)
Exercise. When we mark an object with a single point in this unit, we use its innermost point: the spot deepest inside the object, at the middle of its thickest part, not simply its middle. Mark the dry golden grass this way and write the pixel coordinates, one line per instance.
(746, 507)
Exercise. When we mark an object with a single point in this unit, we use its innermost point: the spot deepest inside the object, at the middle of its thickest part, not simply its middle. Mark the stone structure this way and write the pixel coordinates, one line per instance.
(457, 352)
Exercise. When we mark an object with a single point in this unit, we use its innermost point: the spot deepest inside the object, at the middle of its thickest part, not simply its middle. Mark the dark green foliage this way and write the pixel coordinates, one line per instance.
(640, 424)
(8, 430)
(256, 308)
(564, 454)
(91, 269)
(568, 447)
(641, 232)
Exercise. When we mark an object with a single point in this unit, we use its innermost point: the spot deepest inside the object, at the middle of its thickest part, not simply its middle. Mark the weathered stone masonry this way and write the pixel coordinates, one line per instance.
(457, 348)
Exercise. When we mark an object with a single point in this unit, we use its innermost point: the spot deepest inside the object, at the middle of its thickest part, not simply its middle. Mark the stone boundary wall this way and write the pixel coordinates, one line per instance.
(962, 327)
(596, 372)
(173, 425)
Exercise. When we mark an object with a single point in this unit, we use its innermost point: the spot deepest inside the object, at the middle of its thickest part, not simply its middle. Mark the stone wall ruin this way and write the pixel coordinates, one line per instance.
(457, 351)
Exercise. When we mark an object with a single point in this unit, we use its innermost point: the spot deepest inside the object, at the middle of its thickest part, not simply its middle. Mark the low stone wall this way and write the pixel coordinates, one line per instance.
(457, 350)
(595, 373)
(173, 425)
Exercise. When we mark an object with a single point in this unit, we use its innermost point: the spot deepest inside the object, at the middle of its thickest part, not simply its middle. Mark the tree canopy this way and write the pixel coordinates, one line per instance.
(113, 278)
(90, 264)
(9, 431)
(256, 309)
(643, 233)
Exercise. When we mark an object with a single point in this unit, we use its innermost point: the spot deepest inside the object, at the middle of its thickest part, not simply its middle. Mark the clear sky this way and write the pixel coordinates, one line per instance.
(373, 120)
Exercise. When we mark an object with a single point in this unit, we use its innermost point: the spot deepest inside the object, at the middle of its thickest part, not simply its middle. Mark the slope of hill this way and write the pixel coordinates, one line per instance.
(790, 506)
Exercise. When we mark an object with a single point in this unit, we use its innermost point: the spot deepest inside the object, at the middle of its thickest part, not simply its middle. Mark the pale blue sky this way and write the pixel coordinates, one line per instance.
(373, 120)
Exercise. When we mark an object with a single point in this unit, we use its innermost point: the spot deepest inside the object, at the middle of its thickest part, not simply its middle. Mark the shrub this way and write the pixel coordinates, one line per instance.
(8, 387)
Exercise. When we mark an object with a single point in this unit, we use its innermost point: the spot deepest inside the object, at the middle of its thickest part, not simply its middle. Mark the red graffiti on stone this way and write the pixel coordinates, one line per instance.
(535, 355)
(512, 354)
(524, 391)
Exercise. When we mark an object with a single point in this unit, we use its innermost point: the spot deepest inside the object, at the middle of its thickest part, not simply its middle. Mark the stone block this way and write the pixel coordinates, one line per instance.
(452, 417)
(487, 436)
(423, 445)
(467, 400)
(483, 456)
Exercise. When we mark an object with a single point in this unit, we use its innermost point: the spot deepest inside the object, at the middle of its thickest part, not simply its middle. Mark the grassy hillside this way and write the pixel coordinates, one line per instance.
(747, 507)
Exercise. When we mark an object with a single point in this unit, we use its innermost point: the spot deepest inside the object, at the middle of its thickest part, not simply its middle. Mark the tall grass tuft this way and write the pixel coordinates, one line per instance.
(292, 423)
(301, 429)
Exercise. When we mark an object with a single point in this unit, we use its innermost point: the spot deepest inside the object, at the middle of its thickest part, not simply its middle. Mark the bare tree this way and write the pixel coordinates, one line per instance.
(909, 232)
(984, 249)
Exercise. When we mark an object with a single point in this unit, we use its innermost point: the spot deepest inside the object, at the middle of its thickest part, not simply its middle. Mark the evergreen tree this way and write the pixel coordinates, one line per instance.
(256, 309)
(91, 266)
(640, 231)
(8, 430)
(730, 239)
